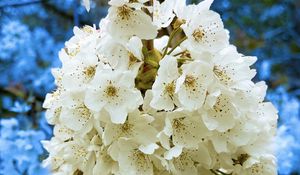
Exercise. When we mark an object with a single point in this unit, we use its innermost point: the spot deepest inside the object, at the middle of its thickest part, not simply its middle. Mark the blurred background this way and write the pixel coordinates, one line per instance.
(33, 31)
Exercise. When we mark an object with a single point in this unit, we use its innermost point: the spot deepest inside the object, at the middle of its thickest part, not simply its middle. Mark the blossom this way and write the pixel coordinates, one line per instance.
(132, 161)
(163, 13)
(192, 85)
(76, 115)
(126, 22)
(131, 102)
(163, 89)
(205, 32)
(222, 114)
(78, 72)
(110, 90)
(136, 127)
(121, 55)
(185, 163)
(186, 129)
(232, 68)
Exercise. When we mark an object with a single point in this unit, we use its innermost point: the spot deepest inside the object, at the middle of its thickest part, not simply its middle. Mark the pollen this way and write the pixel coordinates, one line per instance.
(73, 52)
(177, 124)
(87, 29)
(190, 81)
(111, 91)
(79, 152)
(222, 75)
(170, 88)
(141, 161)
(132, 59)
(84, 112)
(127, 127)
(124, 12)
(90, 71)
(198, 34)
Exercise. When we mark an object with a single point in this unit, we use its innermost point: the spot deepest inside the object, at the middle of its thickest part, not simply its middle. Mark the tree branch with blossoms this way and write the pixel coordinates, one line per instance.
(132, 99)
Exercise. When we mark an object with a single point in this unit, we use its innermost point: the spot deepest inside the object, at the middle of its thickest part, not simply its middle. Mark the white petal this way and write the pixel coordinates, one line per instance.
(94, 101)
(148, 149)
(118, 114)
(173, 152)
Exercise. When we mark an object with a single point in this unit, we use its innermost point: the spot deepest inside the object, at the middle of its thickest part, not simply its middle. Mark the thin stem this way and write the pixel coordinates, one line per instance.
(180, 53)
(170, 40)
(177, 44)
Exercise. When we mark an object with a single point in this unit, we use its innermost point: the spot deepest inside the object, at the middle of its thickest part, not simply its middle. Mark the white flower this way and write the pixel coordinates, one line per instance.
(79, 72)
(186, 129)
(62, 132)
(187, 162)
(185, 12)
(53, 105)
(55, 147)
(262, 166)
(163, 89)
(81, 154)
(122, 55)
(221, 114)
(163, 13)
(125, 22)
(232, 68)
(249, 96)
(111, 90)
(84, 38)
(242, 134)
(127, 105)
(132, 161)
(137, 127)
(104, 163)
(75, 115)
(192, 85)
(127, 2)
(205, 32)
(264, 117)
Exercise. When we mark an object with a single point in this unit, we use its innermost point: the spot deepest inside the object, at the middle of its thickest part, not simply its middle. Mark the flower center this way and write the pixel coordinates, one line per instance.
(90, 71)
(140, 158)
(177, 124)
(198, 34)
(132, 59)
(190, 81)
(79, 152)
(221, 74)
(241, 159)
(127, 127)
(74, 51)
(84, 111)
(87, 29)
(124, 12)
(170, 88)
(111, 91)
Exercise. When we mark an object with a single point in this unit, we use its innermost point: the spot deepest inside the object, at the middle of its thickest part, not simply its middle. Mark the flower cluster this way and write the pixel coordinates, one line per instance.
(158, 90)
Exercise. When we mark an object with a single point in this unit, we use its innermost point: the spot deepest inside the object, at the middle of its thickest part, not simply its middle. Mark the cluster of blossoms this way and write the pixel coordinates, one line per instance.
(158, 90)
